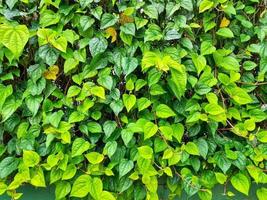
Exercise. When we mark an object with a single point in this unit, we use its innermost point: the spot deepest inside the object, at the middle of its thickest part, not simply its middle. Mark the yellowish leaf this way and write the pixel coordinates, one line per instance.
(52, 72)
(111, 32)
(224, 23)
(125, 19)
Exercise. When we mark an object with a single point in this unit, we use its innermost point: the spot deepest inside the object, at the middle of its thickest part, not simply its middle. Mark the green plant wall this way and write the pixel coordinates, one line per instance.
(114, 99)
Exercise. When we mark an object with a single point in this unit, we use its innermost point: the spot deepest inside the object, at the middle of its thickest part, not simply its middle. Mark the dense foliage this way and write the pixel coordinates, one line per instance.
(110, 99)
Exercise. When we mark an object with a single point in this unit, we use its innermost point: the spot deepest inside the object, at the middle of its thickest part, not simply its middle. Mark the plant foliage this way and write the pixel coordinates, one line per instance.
(112, 99)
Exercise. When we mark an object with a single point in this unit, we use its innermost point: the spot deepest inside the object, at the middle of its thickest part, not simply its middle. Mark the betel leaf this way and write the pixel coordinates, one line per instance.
(108, 20)
(150, 129)
(115, 99)
(192, 148)
(79, 146)
(96, 188)
(145, 152)
(94, 157)
(153, 33)
(241, 183)
(97, 45)
(129, 101)
(164, 111)
(14, 37)
(81, 186)
(125, 166)
(7, 166)
(62, 189)
(225, 32)
(30, 158)
(261, 193)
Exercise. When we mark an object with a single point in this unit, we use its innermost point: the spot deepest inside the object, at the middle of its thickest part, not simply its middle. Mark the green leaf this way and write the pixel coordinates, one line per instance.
(220, 177)
(81, 186)
(128, 28)
(153, 33)
(7, 166)
(205, 195)
(98, 91)
(96, 188)
(30, 158)
(178, 131)
(191, 148)
(205, 5)
(76, 117)
(143, 103)
(97, 45)
(14, 38)
(225, 32)
(150, 129)
(107, 196)
(109, 127)
(125, 166)
(178, 80)
(70, 64)
(69, 172)
(199, 62)
(37, 177)
(94, 157)
(262, 136)
(129, 101)
(79, 146)
(129, 64)
(240, 96)
(48, 17)
(62, 189)
(207, 48)
(145, 152)
(86, 22)
(108, 20)
(261, 193)
(241, 183)
(164, 111)
(214, 109)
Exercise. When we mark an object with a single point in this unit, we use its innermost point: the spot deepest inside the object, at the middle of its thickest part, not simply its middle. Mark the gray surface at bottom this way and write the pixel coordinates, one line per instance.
(31, 193)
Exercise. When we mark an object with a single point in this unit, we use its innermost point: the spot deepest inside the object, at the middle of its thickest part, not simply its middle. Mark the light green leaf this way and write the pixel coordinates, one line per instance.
(191, 148)
(164, 111)
(94, 157)
(62, 189)
(30, 158)
(241, 183)
(199, 62)
(14, 38)
(129, 101)
(98, 91)
(79, 146)
(143, 103)
(37, 177)
(145, 152)
(150, 129)
(70, 64)
(205, 5)
(262, 136)
(225, 32)
(96, 188)
(262, 193)
(81, 186)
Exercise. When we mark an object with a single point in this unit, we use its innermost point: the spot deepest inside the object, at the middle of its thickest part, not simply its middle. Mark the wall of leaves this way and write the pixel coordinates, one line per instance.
(108, 99)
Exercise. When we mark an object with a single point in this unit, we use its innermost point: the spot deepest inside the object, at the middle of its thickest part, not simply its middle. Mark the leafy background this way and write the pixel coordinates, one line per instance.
(113, 99)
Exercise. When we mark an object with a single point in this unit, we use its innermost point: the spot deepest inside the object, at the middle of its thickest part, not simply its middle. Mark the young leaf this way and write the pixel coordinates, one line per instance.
(241, 183)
